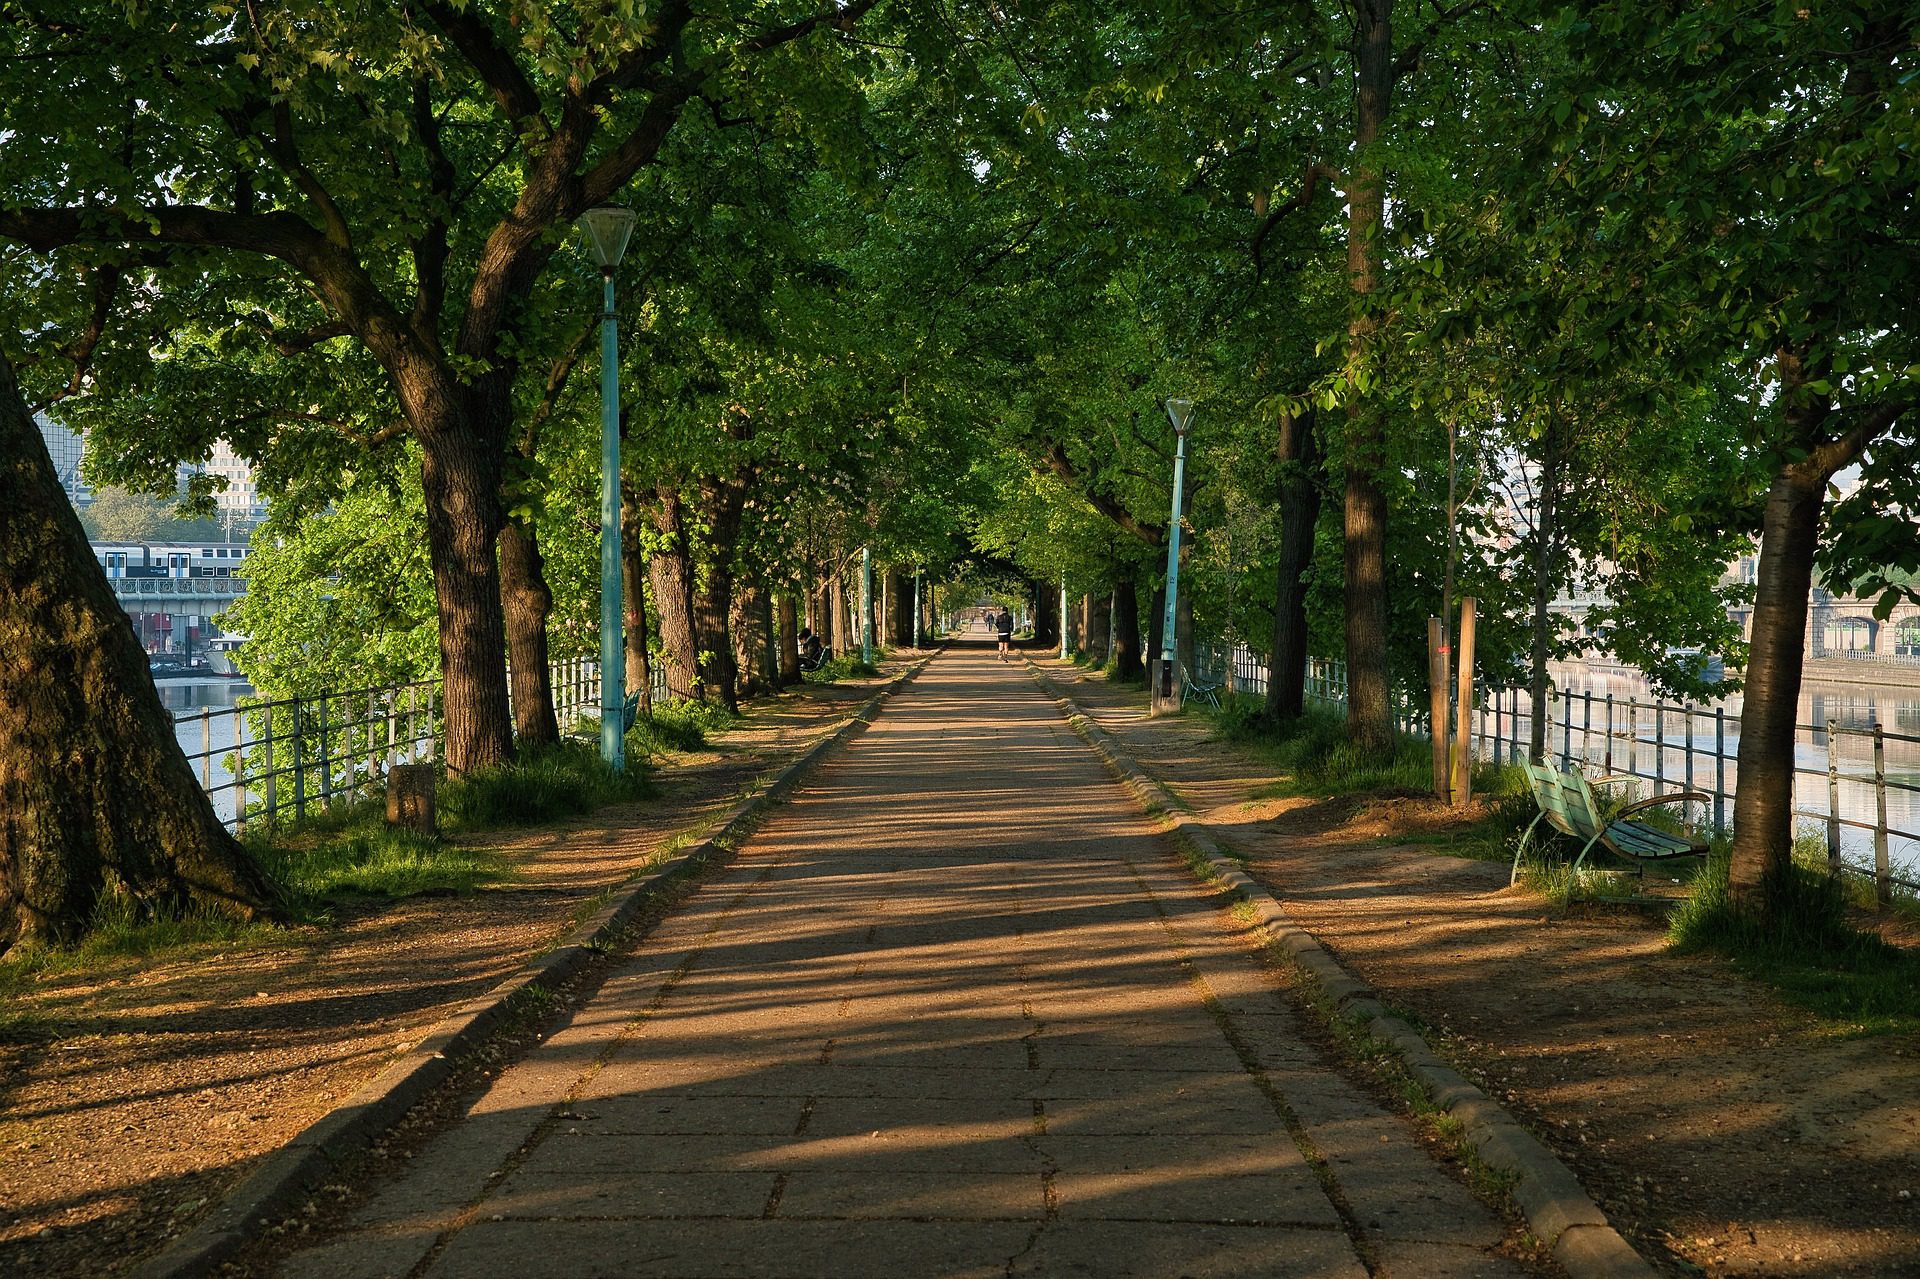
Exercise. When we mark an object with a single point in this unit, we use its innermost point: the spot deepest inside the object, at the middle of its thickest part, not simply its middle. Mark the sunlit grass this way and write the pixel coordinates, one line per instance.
(562, 780)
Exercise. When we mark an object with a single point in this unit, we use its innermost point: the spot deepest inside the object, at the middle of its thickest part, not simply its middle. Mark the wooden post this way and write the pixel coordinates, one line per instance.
(1437, 680)
(410, 797)
(1462, 751)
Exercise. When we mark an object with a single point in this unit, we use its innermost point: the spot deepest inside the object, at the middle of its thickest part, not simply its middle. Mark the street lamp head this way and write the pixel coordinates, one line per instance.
(1180, 413)
(608, 226)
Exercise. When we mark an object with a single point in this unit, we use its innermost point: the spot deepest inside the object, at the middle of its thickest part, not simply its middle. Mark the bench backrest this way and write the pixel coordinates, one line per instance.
(1566, 800)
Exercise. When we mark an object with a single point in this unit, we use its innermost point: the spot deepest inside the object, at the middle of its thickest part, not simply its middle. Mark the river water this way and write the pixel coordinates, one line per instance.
(1663, 748)
(203, 713)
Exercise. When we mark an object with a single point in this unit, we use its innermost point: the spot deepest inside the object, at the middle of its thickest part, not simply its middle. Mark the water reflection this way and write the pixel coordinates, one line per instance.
(1679, 745)
(204, 725)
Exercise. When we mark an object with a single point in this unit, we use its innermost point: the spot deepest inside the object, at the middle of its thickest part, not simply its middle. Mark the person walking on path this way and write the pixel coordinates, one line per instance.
(1005, 626)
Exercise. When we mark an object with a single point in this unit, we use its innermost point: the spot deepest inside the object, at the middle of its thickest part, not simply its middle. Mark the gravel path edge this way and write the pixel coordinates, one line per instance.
(1557, 1208)
(321, 1150)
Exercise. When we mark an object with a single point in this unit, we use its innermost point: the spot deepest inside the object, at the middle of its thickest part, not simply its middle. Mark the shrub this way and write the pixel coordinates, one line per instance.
(682, 724)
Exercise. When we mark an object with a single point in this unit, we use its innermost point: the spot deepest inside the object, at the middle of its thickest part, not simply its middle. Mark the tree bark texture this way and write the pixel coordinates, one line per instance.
(1100, 627)
(744, 636)
(1369, 715)
(633, 600)
(1297, 451)
(1763, 802)
(1046, 614)
(722, 501)
(788, 627)
(900, 618)
(837, 604)
(1546, 531)
(96, 797)
(460, 474)
(766, 640)
(671, 567)
(527, 602)
(1127, 663)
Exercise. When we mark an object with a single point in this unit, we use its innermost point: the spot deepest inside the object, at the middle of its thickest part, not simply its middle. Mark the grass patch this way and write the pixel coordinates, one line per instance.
(373, 860)
(1808, 950)
(1315, 759)
(559, 781)
(682, 724)
(846, 666)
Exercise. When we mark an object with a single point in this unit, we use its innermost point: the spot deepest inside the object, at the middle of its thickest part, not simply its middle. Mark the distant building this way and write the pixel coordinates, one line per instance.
(239, 497)
(66, 448)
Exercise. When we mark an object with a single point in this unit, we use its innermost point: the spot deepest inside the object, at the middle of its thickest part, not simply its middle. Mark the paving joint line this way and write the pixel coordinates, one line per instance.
(337, 1140)
(1559, 1211)
(1322, 1168)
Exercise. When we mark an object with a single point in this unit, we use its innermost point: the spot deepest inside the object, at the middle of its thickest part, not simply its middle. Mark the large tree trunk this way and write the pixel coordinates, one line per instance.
(1046, 614)
(1369, 716)
(1763, 801)
(460, 473)
(96, 797)
(749, 640)
(1100, 627)
(788, 640)
(528, 603)
(1297, 451)
(837, 602)
(722, 503)
(900, 617)
(1545, 531)
(671, 567)
(633, 598)
(1127, 663)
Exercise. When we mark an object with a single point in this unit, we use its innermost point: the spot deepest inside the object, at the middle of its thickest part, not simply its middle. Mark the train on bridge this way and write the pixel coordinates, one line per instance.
(174, 592)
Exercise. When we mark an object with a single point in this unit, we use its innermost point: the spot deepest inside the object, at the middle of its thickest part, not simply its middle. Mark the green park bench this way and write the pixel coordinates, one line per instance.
(1568, 804)
(1198, 687)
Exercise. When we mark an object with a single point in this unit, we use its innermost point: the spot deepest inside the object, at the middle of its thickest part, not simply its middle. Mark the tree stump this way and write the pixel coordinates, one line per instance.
(410, 797)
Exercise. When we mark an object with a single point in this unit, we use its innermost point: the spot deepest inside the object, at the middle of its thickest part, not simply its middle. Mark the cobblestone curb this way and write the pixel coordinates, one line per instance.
(329, 1145)
(1560, 1212)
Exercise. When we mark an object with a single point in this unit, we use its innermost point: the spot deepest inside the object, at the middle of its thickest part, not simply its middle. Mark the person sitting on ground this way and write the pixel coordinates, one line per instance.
(811, 651)
(1005, 627)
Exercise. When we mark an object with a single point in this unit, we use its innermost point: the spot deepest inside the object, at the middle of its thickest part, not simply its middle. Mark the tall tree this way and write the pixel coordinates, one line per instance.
(258, 125)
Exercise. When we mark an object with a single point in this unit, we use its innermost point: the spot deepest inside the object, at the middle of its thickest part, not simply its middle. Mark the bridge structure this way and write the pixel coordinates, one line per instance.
(175, 613)
(1837, 625)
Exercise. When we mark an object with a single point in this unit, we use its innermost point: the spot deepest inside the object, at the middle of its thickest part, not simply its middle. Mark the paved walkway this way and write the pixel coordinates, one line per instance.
(953, 1011)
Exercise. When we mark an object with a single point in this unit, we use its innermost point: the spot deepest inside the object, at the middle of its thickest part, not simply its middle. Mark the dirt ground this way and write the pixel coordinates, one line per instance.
(1722, 1130)
(165, 1082)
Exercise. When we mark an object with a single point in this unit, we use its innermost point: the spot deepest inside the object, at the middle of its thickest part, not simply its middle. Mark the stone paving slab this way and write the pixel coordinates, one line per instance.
(1180, 1250)
(952, 1010)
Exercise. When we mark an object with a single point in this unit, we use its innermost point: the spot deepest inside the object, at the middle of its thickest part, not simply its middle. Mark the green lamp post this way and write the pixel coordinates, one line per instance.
(608, 229)
(1180, 413)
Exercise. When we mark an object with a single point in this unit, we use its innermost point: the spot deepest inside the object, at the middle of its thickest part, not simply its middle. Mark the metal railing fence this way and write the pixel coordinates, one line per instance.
(266, 759)
(1671, 744)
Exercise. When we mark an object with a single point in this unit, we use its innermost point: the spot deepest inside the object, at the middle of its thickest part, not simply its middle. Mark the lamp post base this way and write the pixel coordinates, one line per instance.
(1163, 687)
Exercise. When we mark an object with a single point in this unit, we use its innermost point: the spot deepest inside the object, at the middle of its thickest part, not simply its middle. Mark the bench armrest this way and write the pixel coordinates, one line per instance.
(1677, 797)
(1612, 779)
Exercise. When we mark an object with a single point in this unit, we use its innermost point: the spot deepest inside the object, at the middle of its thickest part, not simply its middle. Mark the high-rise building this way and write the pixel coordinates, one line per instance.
(66, 448)
(239, 497)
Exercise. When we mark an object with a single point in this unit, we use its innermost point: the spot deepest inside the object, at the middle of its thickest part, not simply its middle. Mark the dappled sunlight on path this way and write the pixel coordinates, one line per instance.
(952, 1010)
